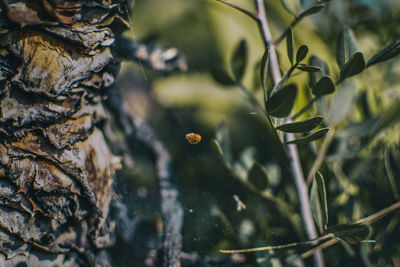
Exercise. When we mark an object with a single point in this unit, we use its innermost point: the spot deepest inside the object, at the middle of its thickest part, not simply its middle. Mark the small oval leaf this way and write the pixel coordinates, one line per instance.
(221, 77)
(386, 53)
(258, 177)
(292, 6)
(281, 102)
(290, 45)
(312, 10)
(324, 86)
(308, 68)
(346, 46)
(391, 170)
(223, 141)
(264, 73)
(319, 204)
(309, 138)
(316, 76)
(300, 126)
(301, 53)
(354, 66)
(351, 233)
(239, 60)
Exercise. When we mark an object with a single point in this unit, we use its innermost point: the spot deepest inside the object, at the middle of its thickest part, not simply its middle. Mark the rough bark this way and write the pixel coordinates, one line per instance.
(56, 168)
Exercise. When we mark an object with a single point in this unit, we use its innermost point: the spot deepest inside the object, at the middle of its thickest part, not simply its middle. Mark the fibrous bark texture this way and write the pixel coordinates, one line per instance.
(56, 170)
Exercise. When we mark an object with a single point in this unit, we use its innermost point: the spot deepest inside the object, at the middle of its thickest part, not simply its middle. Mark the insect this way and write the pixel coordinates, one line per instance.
(193, 138)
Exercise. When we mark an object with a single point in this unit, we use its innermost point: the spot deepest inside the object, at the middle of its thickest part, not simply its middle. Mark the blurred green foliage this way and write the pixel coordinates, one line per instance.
(361, 169)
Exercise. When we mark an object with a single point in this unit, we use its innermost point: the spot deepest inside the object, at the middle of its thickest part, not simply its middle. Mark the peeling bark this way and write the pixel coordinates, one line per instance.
(56, 169)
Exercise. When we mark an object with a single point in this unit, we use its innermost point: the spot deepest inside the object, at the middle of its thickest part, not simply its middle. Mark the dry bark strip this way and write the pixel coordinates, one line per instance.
(56, 167)
(57, 66)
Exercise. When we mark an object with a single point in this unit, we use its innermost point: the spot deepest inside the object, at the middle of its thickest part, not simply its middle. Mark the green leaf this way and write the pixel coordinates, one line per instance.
(319, 204)
(301, 53)
(264, 73)
(221, 77)
(360, 129)
(342, 103)
(243, 164)
(324, 86)
(390, 165)
(300, 126)
(258, 177)
(292, 6)
(239, 60)
(281, 102)
(308, 68)
(351, 233)
(290, 45)
(346, 47)
(309, 138)
(354, 66)
(386, 53)
(222, 143)
(312, 10)
(316, 76)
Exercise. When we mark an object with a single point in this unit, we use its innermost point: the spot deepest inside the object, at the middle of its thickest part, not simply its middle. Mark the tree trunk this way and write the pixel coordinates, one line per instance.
(56, 168)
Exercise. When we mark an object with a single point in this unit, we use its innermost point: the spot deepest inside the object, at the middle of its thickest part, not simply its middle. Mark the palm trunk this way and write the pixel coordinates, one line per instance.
(56, 168)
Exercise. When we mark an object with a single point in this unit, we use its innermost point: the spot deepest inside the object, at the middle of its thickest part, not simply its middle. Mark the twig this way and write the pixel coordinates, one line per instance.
(319, 248)
(267, 37)
(295, 116)
(171, 209)
(245, 11)
(321, 156)
(292, 148)
(295, 244)
(367, 220)
(378, 215)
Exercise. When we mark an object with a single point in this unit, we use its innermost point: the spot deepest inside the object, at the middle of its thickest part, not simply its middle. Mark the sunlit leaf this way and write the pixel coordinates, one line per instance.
(390, 165)
(221, 143)
(342, 103)
(308, 68)
(300, 126)
(324, 86)
(316, 76)
(239, 60)
(309, 138)
(312, 10)
(301, 53)
(264, 73)
(292, 6)
(258, 177)
(222, 77)
(319, 204)
(290, 45)
(351, 233)
(359, 129)
(354, 66)
(346, 47)
(281, 102)
(386, 53)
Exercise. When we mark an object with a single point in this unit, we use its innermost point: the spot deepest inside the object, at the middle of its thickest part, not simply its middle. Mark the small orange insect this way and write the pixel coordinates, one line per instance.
(193, 138)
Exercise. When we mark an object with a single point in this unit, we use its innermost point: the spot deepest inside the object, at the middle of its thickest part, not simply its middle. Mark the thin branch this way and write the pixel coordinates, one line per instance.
(319, 248)
(367, 220)
(380, 214)
(301, 111)
(292, 148)
(267, 38)
(321, 156)
(244, 11)
(295, 244)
